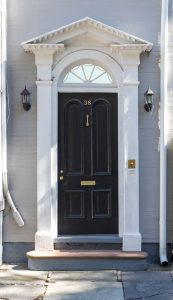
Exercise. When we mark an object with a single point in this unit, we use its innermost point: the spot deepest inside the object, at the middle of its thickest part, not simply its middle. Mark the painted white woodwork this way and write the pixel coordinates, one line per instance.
(34, 47)
(120, 59)
(86, 24)
(44, 235)
(43, 238)
(131, 236)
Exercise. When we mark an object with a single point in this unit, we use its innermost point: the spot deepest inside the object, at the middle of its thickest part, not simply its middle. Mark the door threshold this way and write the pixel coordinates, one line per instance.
(89, 238)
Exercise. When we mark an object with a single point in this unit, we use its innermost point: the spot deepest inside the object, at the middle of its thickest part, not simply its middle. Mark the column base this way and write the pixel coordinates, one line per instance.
(43, 242)
(132, 242)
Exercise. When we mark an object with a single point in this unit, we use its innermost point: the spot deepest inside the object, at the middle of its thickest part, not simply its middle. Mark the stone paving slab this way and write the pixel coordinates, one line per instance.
(84, 290)
(21, 292)
(148, 285)
(13, 266)
(83, 275)
(18, 283)
(22, 277)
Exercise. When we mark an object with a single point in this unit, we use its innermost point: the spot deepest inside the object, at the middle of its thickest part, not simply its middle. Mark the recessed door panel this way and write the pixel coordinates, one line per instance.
(73, 135)
(101, 137)
(74, 204)
(88, 164)
(101, 204)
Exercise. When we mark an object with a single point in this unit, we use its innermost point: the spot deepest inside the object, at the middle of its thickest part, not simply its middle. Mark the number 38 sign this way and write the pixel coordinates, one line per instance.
(87, 102)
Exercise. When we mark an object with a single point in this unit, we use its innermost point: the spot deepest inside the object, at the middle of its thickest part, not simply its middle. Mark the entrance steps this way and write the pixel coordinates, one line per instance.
(87, 260)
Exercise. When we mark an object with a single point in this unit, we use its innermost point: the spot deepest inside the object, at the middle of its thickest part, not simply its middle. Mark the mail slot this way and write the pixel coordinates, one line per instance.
(88, 182)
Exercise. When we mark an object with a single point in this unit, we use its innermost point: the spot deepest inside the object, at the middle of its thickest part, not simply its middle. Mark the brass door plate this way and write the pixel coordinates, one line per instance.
(131, 164)
(87, 182)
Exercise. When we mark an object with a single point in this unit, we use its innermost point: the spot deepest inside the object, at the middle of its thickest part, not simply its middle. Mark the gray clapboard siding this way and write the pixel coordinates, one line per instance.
(149, 202)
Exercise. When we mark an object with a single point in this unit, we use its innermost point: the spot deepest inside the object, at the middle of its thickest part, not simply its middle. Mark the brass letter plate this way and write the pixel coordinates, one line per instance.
(88, 182)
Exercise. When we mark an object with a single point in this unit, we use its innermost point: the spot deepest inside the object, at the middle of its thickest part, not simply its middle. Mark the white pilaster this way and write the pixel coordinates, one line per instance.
(44, 236)
(131, 236)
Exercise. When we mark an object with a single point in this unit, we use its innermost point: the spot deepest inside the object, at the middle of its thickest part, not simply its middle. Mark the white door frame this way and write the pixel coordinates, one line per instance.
(95, 58)
(126, 79)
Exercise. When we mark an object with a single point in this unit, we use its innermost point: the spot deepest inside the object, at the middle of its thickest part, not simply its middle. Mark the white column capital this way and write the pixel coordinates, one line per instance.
(43, 52)
(44, 57)
(131, 74)
(131, 57)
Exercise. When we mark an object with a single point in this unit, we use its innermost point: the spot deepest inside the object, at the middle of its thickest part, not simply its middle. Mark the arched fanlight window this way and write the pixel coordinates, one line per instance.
(88, 73)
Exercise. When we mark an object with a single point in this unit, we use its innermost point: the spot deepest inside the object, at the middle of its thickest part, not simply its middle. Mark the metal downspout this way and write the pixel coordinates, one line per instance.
(163, 134)
(2, 84)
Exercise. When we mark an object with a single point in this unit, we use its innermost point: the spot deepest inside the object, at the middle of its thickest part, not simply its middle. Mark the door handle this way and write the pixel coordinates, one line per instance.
(87, 121)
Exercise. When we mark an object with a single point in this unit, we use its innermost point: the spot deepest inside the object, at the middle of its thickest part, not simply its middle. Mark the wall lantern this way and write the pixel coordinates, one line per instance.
(148, 97)
(25, 98)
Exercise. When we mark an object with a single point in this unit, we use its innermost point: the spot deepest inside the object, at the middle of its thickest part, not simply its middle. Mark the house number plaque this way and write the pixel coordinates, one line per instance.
(87, 102)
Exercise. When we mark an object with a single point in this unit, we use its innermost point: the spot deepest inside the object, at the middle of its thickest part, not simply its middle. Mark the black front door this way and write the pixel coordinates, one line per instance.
(88, 164)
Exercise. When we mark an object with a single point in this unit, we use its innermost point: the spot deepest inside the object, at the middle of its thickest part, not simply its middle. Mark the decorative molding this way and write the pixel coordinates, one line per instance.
(139, 47)
(43, 47)
(93, 24)
(44, 82)
(131, 82)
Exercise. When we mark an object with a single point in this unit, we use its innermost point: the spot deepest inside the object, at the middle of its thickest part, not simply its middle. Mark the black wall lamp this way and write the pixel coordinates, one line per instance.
(25, 98)
(148, 97)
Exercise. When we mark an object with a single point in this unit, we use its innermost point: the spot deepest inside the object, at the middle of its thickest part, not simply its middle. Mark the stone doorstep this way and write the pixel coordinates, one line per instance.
(87, 260)
(114, 254)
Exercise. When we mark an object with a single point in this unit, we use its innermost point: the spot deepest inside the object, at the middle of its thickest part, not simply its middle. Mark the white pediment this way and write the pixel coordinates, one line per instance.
(86, 31)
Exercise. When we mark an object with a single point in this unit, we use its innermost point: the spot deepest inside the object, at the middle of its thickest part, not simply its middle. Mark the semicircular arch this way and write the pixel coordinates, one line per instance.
(94, 57)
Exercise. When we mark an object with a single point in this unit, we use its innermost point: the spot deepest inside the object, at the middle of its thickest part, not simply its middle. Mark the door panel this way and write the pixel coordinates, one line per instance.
(88, 164)
(73, 135)
(101, 137)
(101, 204)
(74, 204)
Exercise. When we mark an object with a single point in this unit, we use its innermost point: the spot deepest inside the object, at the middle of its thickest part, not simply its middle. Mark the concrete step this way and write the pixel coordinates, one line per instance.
(87, 260)
(88, 242)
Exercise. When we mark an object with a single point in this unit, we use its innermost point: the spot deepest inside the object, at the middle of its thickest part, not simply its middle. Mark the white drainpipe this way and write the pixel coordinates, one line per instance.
(2, 97)
(163, 133)
(6, 192)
